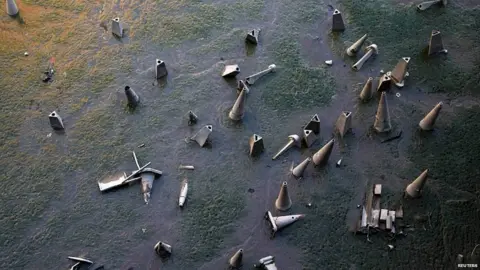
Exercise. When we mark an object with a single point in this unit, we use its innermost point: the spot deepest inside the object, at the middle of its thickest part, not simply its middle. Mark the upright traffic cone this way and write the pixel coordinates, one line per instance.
(236, 260)
(382, 118)
(400, 71)
(238, 109)
(283, 202)
(252, 36)
(436, 44)
(132, 98)
(293, 140)
(12, 8)
(256, 145)
(415, 188)
(337, 21)
(56, 121)
(428, 121)
(344, 123)
(160, 69)
(163, 249)
(367, 91)
(320, 158)
(192, 118)
(308, 137)
(352, 50)
(300, 169)
(314, 124)
(384, 83)
(117, 27)
(201, 137)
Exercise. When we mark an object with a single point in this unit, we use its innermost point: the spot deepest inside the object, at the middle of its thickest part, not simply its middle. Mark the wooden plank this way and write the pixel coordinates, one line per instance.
(383, 215)
(377, 189)
(376, 217)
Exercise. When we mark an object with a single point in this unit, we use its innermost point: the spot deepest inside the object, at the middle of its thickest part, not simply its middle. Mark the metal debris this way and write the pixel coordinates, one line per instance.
(186, 167)
(253, 78)
(78, 262)
(242, 86)
(426, 5)
(398, 95)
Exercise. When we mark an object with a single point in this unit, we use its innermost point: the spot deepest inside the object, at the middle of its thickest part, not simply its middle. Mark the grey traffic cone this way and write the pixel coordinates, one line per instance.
(132, 98)
(369, 51)
(280, 222)
(415, 188)
(192, 118)
(256, 145)
(147, 185)
(283, 202)
(382, 118)
(300, 168)
(56, 121)
(238, 109)
(230, 71)
(242, 86)
(201, 137)
(320, 158)
(344, 123)
(252, 36)
(314, 124)
(428, 121)
(436, 44)
(293, 140)
(400, 71)
(367, 91)
(117, 28)
(308, 137)
(12, 8)
(426, 5)
(163, 249)
(236, 260)
(352, 50)
(160, 69)
(384, 83)
(337, 21)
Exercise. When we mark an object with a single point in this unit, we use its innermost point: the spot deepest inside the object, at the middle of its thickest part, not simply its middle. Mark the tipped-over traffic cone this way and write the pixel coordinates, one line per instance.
(283, 202)
(344, 123)
(230, 71)
(367, 91)
(369, 51)
(132, 98)
(202, 135)
(300, 168)
(163, 249)
(400, 71)
(352, 50)
(238, 109)
(277, 223)
(415, 188)
(320, 158)
(252, 36)
(337, 21)
(236, 260)
(292, 140)
(314, 124)
(382, 118)
(428, 121)
(256, 145)
(183, 193)
(56, 121)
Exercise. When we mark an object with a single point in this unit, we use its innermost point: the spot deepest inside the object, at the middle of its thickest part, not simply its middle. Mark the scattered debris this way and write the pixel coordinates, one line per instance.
(337, 21)
(352, 50)
(267, 263)
(183, 193)
(280, 222)
(253, 36)
(236, 260)
(141, 145)
(293, 140)
(300, 169)
(428, 121)
(320, 158)
(230, 71)
(163, 250)
(256, 145)
(253, 78)
(415, 188)
(283, 202)
(12, 8)
(56, 121)
(329, 62)
(186, 167)
(382, 118)
(201, 137)
(344, 123)
(370, 50)
(339, 163)
(192, 118)
(117, 28)
(313, 124)
(398, 136)
(238, 109)
(160, 69)
(132, 98)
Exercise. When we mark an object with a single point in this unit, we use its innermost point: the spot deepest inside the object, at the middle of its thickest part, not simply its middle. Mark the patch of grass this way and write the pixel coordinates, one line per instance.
(403, 31)
(75, 5)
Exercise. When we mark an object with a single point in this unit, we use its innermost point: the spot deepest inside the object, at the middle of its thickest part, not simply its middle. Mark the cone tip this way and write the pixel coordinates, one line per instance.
(284, 183)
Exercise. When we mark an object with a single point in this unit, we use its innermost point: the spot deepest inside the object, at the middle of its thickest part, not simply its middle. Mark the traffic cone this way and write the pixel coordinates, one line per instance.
(344, 123)
(192, 118)
(300, 169)
(117, 28)
(382, 118)
(163, 249)
(400, 70)
(367, 91)
(384, 83)
(256, 145)
(369, 51)
(293, 140)
(160, 69)
(56, 121)
(415, 188)
(183, 193)
(353, 50)
(12, 8)
(242, 86)
(337, 21)
(236, 260)
(238, 109)
(252, 36)
(202, 135)
(280, 222)
(132, 98)
(436, 44)
(308, 137)
(283, 202)
(320, 158)
(428, 121)
(314, 124)
(230, 71)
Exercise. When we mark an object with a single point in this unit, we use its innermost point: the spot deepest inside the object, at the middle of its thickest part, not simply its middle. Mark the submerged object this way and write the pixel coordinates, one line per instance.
(201, 137)
(163, 249)
(369, 51)
(292, 140)
(436, 44)
(12, 8)
(238, 109)
(256, 145)
(243, 86)
(320, 158)
(183, 193)
(236, 260)
(280, 222)
(344, 123)
(160, 69)
(56, 121)
(253, 78)
(352, 50)
(117, 27)
(192, 118)
(384, 83)
(300, 169)
(337, 21)
(267, 263)
(230, 71)
(308, 137)
(428, 121)
(314, 124)
(400, 71)
(132, 98)
(415, 188)
(382, 118)
(425, 5)
(283, 202)
(252, 36)
(367, 91)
